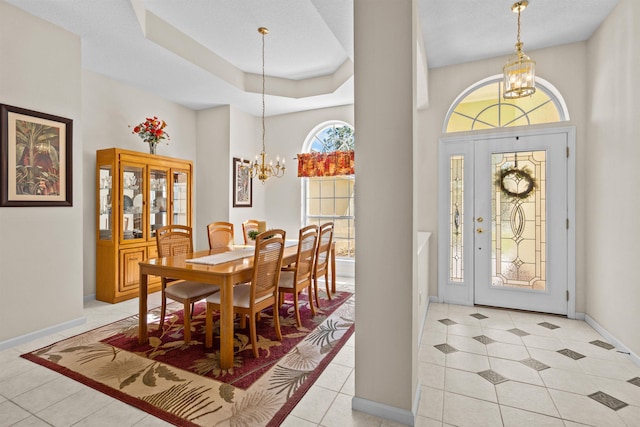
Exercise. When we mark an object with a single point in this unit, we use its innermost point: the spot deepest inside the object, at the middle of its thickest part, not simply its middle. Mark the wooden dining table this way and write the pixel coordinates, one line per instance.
(225, 275)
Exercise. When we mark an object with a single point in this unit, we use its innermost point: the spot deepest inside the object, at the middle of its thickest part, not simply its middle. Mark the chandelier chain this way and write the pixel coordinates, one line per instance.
(263, 85)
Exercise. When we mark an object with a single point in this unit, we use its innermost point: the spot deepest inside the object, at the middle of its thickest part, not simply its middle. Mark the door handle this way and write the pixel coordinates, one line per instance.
(479, 230)
(480, 219)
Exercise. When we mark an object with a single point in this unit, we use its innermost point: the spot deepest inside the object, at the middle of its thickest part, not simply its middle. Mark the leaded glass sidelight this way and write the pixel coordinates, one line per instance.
(456, 219)
(519, 220)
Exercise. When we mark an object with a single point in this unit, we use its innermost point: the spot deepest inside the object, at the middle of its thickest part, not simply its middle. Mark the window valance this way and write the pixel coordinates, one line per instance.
(334, 163)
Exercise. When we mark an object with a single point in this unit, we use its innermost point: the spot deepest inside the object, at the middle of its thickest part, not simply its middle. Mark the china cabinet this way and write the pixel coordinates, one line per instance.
(136, 193)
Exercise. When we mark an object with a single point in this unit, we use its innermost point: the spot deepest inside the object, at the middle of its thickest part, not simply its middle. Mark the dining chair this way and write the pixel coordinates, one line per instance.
(175, 240)
(220, 234)
(299, 276)
(249, 299)
(323, 251)
(247, 226)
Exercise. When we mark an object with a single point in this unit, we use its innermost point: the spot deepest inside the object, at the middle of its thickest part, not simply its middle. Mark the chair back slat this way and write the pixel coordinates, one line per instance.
(174, 240)
(247, 226)
(220, 234)
(267, 263)
(305, 259)
(324, 248)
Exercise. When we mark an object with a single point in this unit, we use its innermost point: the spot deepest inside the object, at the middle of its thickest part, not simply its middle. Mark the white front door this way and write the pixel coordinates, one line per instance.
(505, 238)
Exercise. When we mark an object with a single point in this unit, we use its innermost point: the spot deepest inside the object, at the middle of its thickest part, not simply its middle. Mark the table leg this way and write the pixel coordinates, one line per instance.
(333, 268)
(226, 324)
(142, 298)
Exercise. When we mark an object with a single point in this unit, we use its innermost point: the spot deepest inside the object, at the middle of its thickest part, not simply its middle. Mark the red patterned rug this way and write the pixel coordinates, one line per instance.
(183, 383)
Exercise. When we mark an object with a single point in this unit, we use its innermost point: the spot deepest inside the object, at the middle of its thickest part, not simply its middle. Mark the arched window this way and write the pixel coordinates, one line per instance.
(481, 106)
(331, 198)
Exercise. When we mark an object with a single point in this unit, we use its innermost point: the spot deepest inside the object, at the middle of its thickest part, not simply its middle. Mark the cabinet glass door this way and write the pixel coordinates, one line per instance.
(132, 202)
(157, 200)
(104, 214)
(180, 198)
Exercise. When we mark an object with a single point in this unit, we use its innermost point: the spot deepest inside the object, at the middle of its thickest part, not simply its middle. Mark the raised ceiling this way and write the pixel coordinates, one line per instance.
(205, 53)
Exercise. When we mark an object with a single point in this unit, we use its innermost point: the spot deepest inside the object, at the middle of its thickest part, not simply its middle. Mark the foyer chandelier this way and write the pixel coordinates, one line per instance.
(520, 70)
(258, 168)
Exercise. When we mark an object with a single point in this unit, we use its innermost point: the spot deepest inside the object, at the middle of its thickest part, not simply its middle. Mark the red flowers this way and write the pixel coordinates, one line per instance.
(151, 130)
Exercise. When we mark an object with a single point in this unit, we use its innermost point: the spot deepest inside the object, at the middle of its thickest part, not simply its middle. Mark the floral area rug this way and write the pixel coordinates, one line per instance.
(183, 384)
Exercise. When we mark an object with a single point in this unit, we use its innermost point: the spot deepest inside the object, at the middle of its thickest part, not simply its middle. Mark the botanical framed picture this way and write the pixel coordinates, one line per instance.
(35, 158)
(242, 184)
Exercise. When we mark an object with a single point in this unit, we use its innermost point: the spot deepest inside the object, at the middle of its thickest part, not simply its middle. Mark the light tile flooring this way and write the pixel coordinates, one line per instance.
(478, 367)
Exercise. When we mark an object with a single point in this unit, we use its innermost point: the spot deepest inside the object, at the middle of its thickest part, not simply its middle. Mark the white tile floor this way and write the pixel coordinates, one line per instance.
(453, 393)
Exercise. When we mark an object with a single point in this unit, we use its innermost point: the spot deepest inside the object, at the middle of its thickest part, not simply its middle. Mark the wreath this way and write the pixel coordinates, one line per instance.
(517, 175)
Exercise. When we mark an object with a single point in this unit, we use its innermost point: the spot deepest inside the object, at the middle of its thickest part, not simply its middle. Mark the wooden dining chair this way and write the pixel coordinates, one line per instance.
(249, 299)
(175, 240)
(220, 234)
(299, 276)
(323, 252)
(247, 226)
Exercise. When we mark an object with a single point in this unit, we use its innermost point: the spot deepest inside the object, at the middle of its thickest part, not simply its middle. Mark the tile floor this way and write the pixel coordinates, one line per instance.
(478, 367)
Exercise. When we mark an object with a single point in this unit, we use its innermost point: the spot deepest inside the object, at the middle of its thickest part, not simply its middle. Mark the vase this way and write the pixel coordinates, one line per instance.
(152, 147)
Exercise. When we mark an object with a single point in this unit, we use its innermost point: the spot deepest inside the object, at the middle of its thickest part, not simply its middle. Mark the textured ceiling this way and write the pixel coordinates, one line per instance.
(205, 53)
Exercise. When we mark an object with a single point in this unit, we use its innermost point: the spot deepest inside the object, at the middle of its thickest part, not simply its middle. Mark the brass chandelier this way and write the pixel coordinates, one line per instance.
(258, 168)
(520, 70)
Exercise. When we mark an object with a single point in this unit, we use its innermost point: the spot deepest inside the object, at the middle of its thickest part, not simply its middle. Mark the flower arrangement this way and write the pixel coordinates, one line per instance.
(152, 132)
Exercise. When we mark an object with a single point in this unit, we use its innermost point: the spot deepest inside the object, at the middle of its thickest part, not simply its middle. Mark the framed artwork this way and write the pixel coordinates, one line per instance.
(242, 184)
(35, 158)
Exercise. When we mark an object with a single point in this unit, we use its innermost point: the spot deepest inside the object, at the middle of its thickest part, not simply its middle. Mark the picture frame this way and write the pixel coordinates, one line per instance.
(242, 184)
(35, 158)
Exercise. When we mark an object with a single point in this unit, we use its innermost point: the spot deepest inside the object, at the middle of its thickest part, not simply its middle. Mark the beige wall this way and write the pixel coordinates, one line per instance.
(612, 176)
(446, 83)
(41, 247)
(109, 108)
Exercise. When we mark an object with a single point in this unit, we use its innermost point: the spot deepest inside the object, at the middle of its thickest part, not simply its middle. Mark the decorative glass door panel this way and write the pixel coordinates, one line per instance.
(456, 219)
(132, 206)
(180, 198)
(519, 220)
(158, 192)
(105, 186)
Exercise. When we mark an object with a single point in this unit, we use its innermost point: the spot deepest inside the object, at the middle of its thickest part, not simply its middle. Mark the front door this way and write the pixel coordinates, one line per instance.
(506, 221)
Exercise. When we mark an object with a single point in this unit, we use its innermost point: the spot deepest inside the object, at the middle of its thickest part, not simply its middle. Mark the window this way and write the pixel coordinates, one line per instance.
(481, 106)
(331, 198)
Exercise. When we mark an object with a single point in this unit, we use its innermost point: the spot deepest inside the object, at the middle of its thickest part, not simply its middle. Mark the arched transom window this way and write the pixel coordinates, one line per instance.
(481, 106)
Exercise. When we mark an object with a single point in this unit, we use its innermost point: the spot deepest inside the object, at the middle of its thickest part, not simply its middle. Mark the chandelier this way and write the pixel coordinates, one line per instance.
(520, 70)
(258, 168)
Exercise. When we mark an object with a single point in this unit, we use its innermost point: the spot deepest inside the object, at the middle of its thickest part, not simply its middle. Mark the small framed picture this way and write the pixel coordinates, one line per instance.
(35, 158)
(242, 184)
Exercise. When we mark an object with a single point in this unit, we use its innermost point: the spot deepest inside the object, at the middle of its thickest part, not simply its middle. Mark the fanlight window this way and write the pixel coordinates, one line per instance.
(482, 106)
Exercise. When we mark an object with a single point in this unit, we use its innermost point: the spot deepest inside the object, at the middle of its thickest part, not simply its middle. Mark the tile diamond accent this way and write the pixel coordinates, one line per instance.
(635, 381)
(518, 332)
(570, 353)
(478, 316)
(484, 339)
(534, 364)
(447, 322)
(607, 400)
(492, 376)
(603, 344)
(548, 325)
(446, 348)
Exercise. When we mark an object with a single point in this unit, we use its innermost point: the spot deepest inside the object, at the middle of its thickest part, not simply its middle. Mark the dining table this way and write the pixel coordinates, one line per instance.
(224, 267)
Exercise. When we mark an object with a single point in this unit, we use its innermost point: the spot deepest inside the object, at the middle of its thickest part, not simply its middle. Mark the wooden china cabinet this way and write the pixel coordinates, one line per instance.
(136, 193)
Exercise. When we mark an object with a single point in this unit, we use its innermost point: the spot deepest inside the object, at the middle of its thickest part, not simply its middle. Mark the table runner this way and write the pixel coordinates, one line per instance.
(232, 255)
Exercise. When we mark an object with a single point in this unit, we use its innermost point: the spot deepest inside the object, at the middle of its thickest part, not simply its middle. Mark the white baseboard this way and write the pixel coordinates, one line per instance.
(387, 412)
(611, 339)
(23, 339)
(434, 299)
(579, 316)
(88, 298)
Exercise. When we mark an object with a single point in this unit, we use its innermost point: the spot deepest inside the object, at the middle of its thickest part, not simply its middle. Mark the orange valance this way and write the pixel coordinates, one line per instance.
(326, 164)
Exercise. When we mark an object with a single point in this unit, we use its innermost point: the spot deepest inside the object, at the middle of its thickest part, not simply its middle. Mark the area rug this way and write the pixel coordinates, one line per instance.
(183, 383)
